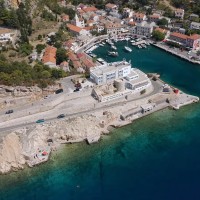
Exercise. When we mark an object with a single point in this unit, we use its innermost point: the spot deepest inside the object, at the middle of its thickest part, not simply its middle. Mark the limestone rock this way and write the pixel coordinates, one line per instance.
(11, 153)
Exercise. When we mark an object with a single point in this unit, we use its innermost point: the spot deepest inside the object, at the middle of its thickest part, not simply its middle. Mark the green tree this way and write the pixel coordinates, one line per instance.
(61, 55)
(39, 37)
(70, 12)
(17, 77)
(158, 36)
(162, 22)
(46, 74)
(25, 49)
(25, 22)
(40, 47)
(57, 73)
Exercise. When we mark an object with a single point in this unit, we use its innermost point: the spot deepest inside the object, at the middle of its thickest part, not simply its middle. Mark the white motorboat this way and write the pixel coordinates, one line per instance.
(113, 47)
(113, 53)
(127, 48)
(109, 42)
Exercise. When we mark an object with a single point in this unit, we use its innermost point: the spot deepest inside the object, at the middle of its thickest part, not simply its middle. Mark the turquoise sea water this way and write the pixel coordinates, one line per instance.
(155, 158)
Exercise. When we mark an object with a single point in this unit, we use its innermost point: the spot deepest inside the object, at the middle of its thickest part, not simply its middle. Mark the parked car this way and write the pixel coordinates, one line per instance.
(9, 111)
(76, 90)
(40, 121)
(61, 116)
(59, 91)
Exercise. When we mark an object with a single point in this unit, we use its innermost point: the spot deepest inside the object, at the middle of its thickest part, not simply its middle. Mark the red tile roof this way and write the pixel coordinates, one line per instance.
(182, 36)
(72, 56)
(194, 36)
(161, 30)
(49, 55)
(74, 28)
(139, 15)
(77, 64)
(90, 9)
(179, 35)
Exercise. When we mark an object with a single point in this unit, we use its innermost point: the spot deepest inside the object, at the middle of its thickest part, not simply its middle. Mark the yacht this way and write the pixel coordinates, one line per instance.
(101, 60)
(109, 42)
(113, 47)
(143, 45)
(133, 44)
(101, 45)
(113, 53)
(127, 48)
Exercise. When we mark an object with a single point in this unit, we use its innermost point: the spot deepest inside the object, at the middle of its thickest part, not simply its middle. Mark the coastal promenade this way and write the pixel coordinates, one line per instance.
(176, 52)
(84, 121)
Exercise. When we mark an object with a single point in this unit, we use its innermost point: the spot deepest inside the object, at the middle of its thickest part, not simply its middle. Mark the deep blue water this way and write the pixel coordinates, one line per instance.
(155, 158)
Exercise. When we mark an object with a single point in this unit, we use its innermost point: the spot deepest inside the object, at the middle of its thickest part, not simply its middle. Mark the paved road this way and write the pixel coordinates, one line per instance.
(157, 88)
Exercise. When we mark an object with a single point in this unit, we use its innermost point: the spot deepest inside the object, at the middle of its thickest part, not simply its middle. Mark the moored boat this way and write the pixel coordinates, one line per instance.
(127, 48)
(113, 47)
(113, 53)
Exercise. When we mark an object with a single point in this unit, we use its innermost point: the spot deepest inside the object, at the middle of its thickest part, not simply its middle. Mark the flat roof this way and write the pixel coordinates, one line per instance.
(142, 76)
(100, 70)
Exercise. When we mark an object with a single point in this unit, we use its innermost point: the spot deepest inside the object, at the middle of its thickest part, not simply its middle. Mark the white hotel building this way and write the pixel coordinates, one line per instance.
(117, 80)
(109, 72)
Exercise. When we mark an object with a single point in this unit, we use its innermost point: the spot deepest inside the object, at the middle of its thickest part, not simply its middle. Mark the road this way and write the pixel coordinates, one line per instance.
(52, 114)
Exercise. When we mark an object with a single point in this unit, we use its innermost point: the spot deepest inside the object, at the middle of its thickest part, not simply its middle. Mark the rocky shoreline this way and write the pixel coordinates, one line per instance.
(28, 145)
(33, 145)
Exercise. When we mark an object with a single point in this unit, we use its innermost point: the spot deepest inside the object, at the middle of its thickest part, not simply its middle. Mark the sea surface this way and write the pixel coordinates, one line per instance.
(155, 158)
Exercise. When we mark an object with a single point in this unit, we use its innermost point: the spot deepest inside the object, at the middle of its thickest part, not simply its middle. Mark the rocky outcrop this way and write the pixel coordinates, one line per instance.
(20, 147)
(11, 156)
(20, 95)
(18, 91)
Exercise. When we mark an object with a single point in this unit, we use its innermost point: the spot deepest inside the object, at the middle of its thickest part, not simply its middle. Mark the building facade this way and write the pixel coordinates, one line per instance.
(195, 25)
(109, 72)
(179, 13)
(144, 28)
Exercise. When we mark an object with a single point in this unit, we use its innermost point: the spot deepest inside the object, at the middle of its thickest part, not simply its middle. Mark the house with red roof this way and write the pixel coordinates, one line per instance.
(49, 57)
(65, 18)
(139, 17)
(154, 18)
(77, 31)
(113, 28)
(110, 7)
(192, 41)
(89, 9)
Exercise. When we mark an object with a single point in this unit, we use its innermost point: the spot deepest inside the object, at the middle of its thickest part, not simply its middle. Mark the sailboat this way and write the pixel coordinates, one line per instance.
(127, 48)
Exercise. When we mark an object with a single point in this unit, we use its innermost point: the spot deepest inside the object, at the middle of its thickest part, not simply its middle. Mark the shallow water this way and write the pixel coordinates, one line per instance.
(155, 158)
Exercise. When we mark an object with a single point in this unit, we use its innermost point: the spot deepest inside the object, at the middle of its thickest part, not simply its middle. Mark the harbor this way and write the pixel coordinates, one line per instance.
(159, 134)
